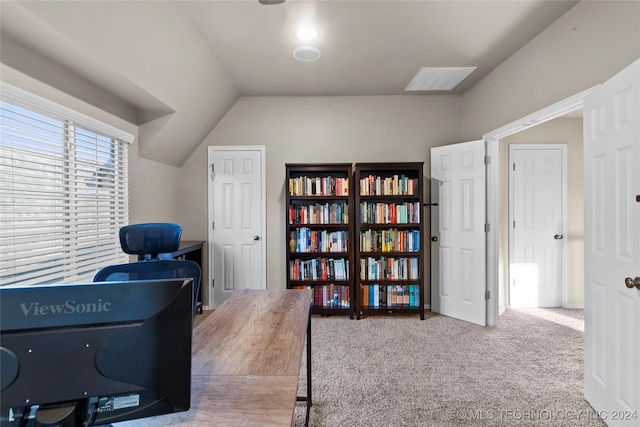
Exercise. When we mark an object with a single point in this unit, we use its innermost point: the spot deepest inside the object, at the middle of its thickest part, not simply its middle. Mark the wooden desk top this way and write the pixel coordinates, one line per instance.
(246, 361)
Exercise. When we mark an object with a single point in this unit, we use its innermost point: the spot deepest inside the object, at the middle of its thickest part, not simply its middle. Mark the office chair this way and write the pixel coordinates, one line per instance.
(153, 243)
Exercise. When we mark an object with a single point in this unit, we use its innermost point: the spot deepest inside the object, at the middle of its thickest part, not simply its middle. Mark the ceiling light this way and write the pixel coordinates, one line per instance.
(442, 78)
(306, 53)
(306, 34)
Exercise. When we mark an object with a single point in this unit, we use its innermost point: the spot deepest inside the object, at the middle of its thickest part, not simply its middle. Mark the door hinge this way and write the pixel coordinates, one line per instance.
(514, 166)
(514, 224)
(487, 160)
(487, 228)
(213, 225)
(486, 294)
(213, 282)
(213, 173)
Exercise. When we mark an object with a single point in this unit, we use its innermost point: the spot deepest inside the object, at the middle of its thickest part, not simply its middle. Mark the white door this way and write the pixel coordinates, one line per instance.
(458, 238)
(237, 216)
(612, 248)
(537, 224)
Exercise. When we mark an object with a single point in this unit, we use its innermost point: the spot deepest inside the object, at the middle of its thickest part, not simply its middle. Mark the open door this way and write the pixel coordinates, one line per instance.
(458, 241)
(612, 248)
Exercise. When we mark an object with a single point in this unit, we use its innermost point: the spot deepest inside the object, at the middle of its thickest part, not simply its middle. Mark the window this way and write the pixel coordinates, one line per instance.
(63, 192)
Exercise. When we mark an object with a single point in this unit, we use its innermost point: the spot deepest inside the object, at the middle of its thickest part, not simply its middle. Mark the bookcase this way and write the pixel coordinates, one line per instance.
(389, 253)
(319, 234)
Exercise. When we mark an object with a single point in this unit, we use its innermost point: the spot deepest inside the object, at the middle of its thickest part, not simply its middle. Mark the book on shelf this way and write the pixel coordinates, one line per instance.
(318, 186)
(390, 296)
(305, 240)
(389, 268)
(329, 296)
(319, 269)
(391, 240)
(389, 213)
(319, 213)
(388, 186)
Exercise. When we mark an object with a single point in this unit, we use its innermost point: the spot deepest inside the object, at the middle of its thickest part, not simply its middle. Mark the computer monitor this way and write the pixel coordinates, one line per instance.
(93, 354)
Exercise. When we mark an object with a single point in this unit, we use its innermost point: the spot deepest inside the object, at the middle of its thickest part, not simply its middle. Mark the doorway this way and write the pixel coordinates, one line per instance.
(497, 184)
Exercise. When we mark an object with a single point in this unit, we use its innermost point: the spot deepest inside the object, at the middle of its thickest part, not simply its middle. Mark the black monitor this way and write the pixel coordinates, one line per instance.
(93, 354)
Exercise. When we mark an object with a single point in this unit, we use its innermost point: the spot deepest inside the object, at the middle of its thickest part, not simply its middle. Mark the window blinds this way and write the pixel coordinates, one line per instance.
(64, 196)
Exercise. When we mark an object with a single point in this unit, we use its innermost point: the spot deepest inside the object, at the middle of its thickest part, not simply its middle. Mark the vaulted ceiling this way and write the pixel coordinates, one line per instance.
(175, 68)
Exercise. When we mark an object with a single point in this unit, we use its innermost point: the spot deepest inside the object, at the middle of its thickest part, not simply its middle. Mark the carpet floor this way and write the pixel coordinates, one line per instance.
(400, 371)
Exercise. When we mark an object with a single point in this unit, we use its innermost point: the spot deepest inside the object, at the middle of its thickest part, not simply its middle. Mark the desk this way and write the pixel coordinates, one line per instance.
(192, 251)
(188, 249)
(246, 362)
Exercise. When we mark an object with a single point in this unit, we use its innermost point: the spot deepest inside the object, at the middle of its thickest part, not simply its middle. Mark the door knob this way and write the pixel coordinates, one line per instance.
(434, 239)
(558, 236)
(256, 237)
(631, 283)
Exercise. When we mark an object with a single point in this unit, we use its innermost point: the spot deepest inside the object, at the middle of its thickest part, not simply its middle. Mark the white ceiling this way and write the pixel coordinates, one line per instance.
(368, 47)
(180, 65)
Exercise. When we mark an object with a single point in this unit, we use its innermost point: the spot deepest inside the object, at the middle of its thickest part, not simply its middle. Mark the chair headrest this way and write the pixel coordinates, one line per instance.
(151, 238)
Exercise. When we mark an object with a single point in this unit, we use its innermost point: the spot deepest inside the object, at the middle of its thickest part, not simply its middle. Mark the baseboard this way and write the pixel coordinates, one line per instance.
(502, 309)
(574, 306)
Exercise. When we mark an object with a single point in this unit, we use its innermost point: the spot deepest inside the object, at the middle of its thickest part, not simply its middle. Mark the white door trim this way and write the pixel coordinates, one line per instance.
(556, 110)
(564, 194)
(263, 203)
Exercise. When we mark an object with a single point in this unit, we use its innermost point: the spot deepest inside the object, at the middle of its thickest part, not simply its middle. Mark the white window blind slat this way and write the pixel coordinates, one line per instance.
(64, 193)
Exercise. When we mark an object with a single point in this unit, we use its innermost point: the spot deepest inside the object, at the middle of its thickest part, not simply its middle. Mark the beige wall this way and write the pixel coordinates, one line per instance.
(587, 45)
(558, 131)
(154, 190)
(315, 130)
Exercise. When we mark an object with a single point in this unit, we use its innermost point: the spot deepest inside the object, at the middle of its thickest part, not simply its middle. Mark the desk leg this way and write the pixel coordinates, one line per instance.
(309, 401)
(308, 397)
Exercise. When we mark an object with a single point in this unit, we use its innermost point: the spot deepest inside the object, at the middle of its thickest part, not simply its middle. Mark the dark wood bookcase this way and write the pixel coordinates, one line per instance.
(388, 234)
(319, 221)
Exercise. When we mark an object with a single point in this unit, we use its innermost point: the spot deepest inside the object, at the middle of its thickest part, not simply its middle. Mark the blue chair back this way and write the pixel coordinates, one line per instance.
(153, 243)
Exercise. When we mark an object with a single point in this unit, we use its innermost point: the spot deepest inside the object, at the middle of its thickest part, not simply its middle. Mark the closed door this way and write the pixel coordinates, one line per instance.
(537, 214)
(458, 281)
(612, 248)
(237, 215)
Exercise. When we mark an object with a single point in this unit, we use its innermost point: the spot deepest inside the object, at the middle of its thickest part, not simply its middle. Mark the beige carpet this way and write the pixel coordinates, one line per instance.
(200, 317)
(400, 371)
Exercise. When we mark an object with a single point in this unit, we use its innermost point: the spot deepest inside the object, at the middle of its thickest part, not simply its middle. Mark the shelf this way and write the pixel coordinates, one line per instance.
(384, 179)
(318, 282)
(320, 254)
(320, 226)
(319, 198)
(333, 180)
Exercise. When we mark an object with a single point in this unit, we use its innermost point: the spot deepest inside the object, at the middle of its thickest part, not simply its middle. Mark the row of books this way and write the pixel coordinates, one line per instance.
(392, 240)
(390, 296)
(328, 213)
(306, 240)
(318, 186)
(384, 268)
(390, 213)
(388, 186)
(319, 269)
(329, 296)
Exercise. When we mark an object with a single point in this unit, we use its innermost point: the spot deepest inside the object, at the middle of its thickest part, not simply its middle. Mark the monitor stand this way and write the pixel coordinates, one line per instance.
(58, 415)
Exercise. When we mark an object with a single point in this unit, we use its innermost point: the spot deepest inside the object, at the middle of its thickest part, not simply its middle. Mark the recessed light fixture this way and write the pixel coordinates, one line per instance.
(306, 34)
(306, 53)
